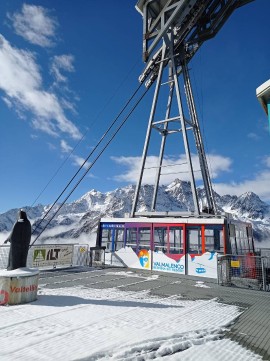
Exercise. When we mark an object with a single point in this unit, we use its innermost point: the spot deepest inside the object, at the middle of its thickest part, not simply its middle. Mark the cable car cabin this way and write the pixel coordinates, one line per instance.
(185, 245)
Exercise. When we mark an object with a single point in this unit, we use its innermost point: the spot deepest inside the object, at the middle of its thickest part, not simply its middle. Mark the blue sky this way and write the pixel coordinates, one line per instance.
(66, 70)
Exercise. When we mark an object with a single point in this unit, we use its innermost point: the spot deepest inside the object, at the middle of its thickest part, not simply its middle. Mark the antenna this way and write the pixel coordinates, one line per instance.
(173, 31)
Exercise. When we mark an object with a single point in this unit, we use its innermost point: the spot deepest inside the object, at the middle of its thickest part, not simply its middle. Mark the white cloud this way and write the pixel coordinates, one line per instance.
(3, 237)
(267, 162)
(35, 25)
(8, 102)
(79, 161)
(259, 185)
(22, 83)
(177, 168)
(65, 147)
(76, 160)
(172, 168)
(253, 136)
(51, 146)
(62, 63)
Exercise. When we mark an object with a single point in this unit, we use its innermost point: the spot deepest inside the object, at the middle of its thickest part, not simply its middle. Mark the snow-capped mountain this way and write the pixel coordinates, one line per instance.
(79, 219)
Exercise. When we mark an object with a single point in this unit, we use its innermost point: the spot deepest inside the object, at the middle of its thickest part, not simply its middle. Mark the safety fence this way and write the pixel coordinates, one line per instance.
(246, 271)
(51, 255)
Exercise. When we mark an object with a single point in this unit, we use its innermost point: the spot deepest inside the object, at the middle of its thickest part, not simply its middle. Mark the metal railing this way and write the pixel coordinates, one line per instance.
(246, 271)
(263, 252)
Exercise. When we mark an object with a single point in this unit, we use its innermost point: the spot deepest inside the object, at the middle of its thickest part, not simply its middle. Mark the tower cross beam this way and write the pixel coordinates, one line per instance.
(193, 23)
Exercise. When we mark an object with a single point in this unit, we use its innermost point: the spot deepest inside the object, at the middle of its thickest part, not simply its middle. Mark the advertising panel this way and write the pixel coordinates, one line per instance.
(52, 255)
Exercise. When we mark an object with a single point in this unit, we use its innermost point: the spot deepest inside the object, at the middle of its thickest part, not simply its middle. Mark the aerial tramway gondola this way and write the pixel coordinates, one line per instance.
(185, 245)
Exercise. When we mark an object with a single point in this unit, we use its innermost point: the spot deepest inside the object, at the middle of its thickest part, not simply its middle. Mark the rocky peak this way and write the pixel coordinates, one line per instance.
(250, 205)
(81, 216)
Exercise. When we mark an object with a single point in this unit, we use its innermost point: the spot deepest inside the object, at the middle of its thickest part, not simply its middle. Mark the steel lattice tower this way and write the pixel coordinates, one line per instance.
(173, 30)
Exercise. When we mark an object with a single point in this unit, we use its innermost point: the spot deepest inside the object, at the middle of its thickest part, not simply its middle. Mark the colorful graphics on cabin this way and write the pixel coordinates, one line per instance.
(132, 260)
(204, 265)
(143, 256)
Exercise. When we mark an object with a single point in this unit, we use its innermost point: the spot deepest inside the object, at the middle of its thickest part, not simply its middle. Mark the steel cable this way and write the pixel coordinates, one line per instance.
(91, 165)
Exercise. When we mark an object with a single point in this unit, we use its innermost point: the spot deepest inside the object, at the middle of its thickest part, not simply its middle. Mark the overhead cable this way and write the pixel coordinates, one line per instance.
(94, 161)
(83, 136)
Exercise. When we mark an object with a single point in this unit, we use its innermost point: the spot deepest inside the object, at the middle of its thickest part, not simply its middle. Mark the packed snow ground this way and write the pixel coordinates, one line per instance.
(107, 324)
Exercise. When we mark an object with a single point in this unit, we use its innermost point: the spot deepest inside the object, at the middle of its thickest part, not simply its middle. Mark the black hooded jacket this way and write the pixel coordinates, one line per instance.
(19, 239)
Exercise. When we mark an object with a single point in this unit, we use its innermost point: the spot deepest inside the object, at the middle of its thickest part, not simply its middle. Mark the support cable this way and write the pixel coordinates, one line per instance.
(87, 158)
(201, 106)
(83, 136)
(59, 168)
(94, 161)
(182, 172)
(166, 166)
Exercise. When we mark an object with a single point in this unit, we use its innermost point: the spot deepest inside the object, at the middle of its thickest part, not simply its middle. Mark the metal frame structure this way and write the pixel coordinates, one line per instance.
(173, 30)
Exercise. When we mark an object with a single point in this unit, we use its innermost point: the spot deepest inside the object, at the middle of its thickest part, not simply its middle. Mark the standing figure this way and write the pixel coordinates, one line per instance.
(19, 239)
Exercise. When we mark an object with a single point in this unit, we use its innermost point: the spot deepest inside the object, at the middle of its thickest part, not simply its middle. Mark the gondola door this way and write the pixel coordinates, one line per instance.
(168, 248)
(137, 252)
(201, 255)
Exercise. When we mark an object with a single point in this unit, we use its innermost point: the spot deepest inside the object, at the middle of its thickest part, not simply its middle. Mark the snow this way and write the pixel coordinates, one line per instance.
(80, 217)
(19, 272)
(82, 323)
(201, 284)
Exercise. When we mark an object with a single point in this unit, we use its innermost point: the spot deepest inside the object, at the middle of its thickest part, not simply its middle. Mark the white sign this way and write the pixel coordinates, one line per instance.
(52, 255)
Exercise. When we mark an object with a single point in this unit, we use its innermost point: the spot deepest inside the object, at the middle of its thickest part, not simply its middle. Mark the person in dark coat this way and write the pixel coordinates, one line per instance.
(19, 239)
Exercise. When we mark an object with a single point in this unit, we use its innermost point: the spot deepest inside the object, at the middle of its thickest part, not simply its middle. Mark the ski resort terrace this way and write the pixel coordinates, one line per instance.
(251, 329)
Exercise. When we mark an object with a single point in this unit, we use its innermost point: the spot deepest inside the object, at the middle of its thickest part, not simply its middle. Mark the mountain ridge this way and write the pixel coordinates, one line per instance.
(79, 219)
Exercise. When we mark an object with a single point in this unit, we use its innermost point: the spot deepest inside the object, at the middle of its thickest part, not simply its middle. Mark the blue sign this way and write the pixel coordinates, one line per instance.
(112, 225)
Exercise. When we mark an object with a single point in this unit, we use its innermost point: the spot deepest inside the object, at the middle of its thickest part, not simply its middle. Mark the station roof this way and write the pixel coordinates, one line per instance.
(263, 94)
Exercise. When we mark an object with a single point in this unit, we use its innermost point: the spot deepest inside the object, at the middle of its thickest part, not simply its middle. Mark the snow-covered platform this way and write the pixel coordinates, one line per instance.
(250, 329)
(120, 314)
(18, 286)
